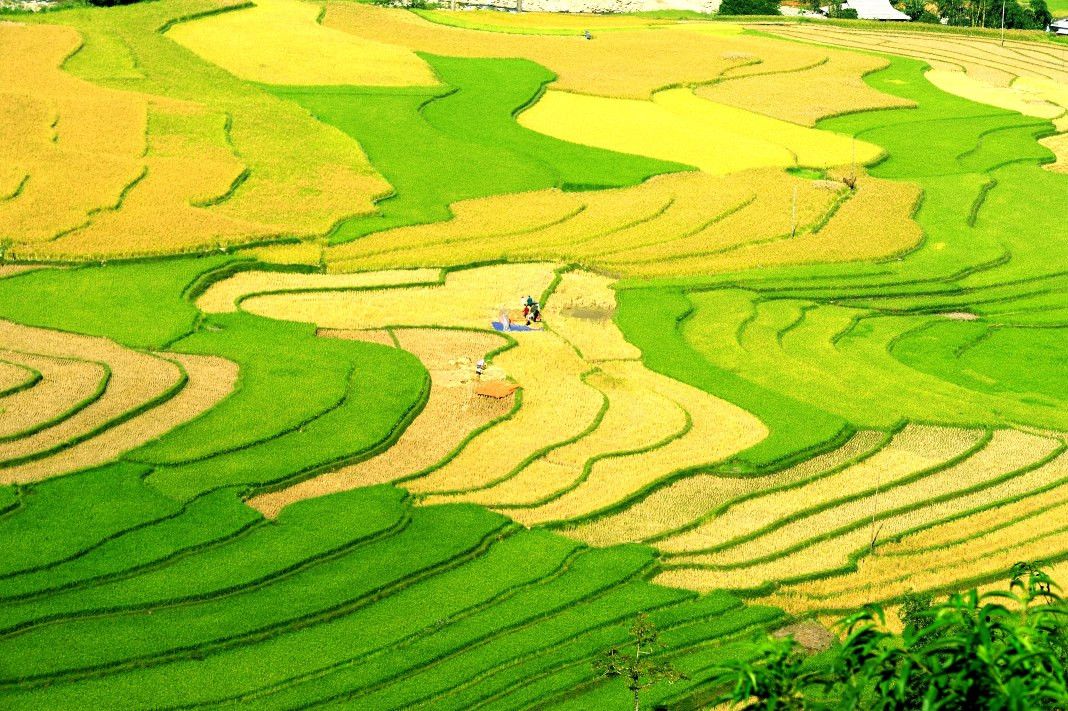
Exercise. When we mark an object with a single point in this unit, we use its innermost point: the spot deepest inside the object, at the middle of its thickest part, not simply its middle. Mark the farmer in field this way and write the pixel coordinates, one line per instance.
(480, 367)
(588, 35)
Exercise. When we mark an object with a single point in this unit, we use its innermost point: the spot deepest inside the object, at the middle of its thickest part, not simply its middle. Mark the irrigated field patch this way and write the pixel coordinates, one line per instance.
(137, 380)
(637, 418)
(553, 391)
(581, 310)
(899, 508)
(66, 386)
(672, 225)
(1059, 145)
(217, 168)
(207, 381)
(307, 253)
(880, 210)
(713, 430)
(697, 497)
(1027, 102)
(1025, 508)
(912, 451)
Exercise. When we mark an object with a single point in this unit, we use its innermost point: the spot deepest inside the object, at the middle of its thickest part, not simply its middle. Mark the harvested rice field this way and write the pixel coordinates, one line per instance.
(225, 296)
(626, 65)
(391, 358)
(452, 413)
(470, 298)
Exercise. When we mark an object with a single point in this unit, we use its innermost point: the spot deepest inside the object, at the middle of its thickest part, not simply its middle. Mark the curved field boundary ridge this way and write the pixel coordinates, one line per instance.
(14, 378)
(451, 413)
(675, 225)
(225, 296)
(62, 388)
(119, 399)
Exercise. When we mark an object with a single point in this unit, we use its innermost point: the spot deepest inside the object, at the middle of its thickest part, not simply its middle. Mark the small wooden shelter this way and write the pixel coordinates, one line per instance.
(496, 388)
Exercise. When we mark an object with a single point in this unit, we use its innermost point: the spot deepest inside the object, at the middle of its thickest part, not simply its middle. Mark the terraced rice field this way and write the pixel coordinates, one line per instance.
(802, 345)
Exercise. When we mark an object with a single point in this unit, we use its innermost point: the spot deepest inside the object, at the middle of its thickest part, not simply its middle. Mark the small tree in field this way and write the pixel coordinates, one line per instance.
(632, 663)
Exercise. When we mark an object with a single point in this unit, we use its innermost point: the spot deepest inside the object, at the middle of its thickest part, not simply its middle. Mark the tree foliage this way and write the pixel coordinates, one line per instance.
(988, 13)
(1003, 650)
(749, 7)
(918, 12)
(633, 662)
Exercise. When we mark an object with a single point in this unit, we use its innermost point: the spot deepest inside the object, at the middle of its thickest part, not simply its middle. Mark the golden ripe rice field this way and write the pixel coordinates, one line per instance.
(281, 42)
(678, 126)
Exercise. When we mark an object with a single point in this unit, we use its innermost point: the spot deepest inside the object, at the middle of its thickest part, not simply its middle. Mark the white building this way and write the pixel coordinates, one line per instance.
(875, 10)
(1060, 27)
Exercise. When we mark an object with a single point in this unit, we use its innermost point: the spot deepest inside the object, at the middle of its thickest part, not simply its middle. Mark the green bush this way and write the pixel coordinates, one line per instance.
(748, 7)
(997, 650)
